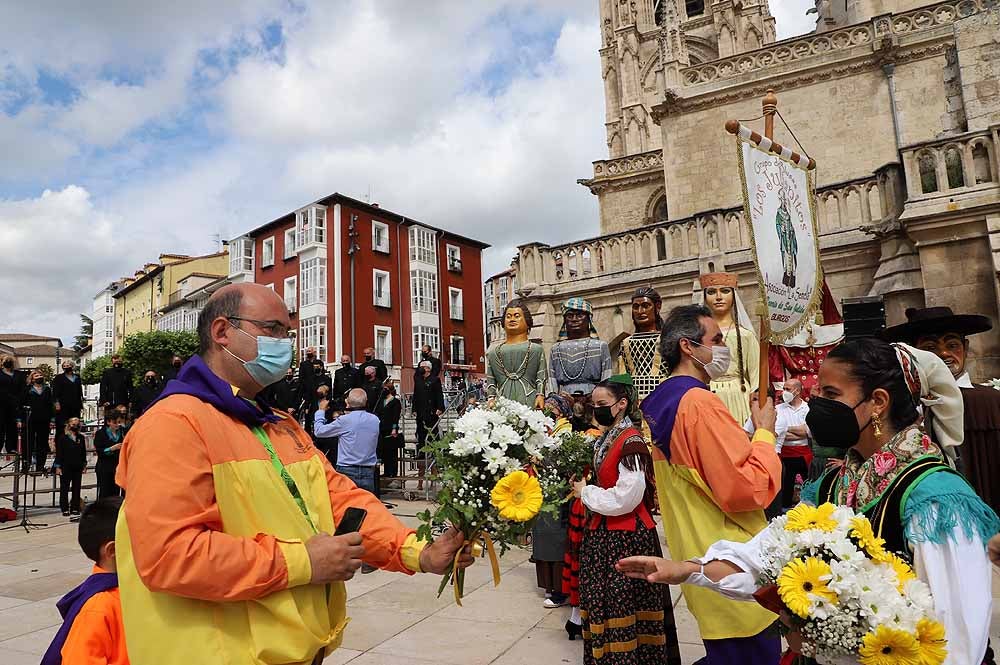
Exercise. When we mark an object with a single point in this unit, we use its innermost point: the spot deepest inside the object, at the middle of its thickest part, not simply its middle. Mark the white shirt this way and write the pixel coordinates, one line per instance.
(964, 381)
(787, 416)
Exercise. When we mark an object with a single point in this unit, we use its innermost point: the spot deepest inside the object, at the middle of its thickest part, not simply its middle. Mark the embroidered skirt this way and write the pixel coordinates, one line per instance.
(625, 621)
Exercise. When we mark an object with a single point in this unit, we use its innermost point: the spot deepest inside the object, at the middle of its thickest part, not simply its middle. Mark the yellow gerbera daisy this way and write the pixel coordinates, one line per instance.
(800, 580)
(517, 496)
(931, 642)
(903, 571)
(888, 646)
(861, 529)
(804, 517)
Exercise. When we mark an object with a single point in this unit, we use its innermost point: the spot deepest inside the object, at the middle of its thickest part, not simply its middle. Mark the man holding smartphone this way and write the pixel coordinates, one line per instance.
(228, 557)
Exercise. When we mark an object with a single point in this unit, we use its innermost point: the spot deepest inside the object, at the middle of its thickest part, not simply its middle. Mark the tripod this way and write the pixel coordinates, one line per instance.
(21, 473)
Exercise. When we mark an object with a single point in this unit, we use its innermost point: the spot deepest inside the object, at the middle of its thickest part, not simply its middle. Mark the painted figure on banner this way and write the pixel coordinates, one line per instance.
(639, 355)
(789, 246)
(946, 334)
(579, 360)
(516, 368)
(735, 385)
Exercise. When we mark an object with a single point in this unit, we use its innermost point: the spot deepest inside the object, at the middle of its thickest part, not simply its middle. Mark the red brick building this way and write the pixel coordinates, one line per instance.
(356, 275)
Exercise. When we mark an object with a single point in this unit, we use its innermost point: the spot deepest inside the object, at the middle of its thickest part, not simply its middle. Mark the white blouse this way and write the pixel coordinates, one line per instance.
(957, 572)
(621, 499)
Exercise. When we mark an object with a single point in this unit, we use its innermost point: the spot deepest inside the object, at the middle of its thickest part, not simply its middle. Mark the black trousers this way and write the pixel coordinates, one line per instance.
(791, 467)
(388, 452)
(106, 481)
(69, 481)
(8, 430)
(37, 444)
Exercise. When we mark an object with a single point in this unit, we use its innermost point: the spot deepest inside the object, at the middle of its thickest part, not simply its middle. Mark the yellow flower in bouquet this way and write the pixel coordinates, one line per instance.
(804, 517)
(931, 642)
(801, 579)
(517, 496)
(888, 646)
(861, 529)
(903, 571)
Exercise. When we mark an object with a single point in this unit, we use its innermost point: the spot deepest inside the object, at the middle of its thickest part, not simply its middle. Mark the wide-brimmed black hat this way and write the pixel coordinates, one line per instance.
(935, 321)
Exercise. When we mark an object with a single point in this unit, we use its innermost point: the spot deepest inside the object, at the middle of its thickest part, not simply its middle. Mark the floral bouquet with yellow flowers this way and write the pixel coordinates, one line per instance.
(490, 488)
(851, 600)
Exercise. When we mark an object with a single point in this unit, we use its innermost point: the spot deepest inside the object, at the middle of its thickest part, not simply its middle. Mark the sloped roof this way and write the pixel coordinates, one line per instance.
(25, 337)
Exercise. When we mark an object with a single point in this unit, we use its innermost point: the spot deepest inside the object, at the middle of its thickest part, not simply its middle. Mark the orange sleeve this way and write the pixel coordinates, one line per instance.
(388, 543)
(174, 521)
(742, 475)
(90, 640)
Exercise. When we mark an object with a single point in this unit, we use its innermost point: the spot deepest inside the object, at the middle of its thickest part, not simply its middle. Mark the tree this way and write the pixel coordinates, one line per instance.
(92, 371)
(82, 340)
(146, 351)
(46, 370)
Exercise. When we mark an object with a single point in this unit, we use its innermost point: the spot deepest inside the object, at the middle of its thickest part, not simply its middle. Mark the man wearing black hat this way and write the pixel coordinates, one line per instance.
(940, 331)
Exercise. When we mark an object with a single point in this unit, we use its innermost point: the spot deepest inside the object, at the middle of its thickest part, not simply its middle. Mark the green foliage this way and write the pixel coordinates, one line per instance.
(154, 350)
(574, 456)
(46, 370)
(92, 371)
(82, 339)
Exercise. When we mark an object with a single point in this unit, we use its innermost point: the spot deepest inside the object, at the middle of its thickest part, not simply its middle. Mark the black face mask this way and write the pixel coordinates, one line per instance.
(150, 380)
(74, 428)
(368, 357)
(425, 354)
(118, 365)
(178, 364)
(38, 382)
(8, 365)
(833, 424)
(603, 416)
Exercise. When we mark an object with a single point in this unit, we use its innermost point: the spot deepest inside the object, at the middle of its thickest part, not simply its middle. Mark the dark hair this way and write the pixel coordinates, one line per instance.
(225, 304)
(651, 294)
(97, 525)
(518, 303)
(619, 390)
(684, 322)
(873, 364)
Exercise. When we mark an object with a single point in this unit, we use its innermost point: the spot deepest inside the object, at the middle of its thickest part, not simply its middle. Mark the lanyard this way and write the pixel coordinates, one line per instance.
(285, 476)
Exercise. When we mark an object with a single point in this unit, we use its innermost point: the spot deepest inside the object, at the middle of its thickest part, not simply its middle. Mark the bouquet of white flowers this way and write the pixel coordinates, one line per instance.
(851, 600)
(490, 489)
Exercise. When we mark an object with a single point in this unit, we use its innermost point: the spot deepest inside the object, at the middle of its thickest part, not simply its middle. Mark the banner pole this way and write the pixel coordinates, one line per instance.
(769, 106)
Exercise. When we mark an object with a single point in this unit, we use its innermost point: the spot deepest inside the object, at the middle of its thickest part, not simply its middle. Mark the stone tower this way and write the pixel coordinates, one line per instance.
(644, 46)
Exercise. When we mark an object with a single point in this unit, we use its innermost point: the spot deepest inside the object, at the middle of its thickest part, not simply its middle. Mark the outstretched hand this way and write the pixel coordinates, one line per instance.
(438, 556)
(656, 570)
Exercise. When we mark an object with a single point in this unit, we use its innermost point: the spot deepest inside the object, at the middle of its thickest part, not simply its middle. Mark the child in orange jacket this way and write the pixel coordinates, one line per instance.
(92, 632)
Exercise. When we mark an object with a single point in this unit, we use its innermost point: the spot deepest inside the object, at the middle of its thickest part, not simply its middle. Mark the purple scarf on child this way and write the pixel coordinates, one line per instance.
(70, 605)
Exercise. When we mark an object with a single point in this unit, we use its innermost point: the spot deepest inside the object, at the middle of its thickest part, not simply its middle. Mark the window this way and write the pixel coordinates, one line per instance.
(422, 245)
(291, 294)
(109, 334)
(424, 335)
(108, 309)
(267, 253)
(289, 244)
(380, 237)
(313, 334)
(241, 256)
(313, 276)
(454, 258)
(383, 344)
(423, 290)
(455, 303)
(380, 284)
(457, 350)
(310, 225)
(29, 361)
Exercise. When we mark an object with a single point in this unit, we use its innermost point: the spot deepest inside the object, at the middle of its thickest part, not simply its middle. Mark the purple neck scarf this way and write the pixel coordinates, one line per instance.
(660, 408)
(70, 605)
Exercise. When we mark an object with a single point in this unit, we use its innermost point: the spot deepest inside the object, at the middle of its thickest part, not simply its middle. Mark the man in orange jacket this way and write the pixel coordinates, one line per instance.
(224, 546)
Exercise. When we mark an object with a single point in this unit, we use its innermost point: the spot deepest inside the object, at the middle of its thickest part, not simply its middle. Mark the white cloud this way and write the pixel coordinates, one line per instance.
(790, 17)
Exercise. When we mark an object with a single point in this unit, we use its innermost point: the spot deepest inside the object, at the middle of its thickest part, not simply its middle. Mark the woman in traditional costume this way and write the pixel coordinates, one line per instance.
(895, 474)
(516, 368)
(624, 620)
(723, 300)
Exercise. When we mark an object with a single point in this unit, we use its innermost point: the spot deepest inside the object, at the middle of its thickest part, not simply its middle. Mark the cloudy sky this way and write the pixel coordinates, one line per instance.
(129, 129)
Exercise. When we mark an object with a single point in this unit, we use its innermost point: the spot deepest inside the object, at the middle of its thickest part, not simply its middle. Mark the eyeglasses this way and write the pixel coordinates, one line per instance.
(272, 328)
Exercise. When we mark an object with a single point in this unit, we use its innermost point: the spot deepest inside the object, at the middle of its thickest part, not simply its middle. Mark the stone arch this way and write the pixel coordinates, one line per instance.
(676, 243)
(727, 41)
(661, 244)
(852, 205)
(831, 211)
(653, 203)
(752, 40)
(712, 236)
(701, 50)
(927, 166)
(694, 246)
(875, 203)
(650, 69)
(953, 166)
(981, 162)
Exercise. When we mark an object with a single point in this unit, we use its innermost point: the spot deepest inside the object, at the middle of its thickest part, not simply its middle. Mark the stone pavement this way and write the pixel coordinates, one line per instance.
(395, 619)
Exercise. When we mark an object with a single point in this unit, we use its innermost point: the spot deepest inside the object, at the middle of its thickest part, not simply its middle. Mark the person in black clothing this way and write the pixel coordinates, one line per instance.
(307, 374)
(390, 434)
(381, 371)
(107, 444)
(145, 394)
(344, 379)
(374, 389)
(37, 418)
(428, 406)
(71, 460)
(284, 395)
(427, 355)
(116, 384)
(171, 372)
(11, 387)
(67, 395)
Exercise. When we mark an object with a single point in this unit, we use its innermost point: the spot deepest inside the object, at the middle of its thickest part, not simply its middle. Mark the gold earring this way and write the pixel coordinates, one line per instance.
(877, 425)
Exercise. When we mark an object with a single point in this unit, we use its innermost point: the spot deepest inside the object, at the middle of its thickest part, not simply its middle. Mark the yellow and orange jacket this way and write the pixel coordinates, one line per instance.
(212, 562)
(97, 636)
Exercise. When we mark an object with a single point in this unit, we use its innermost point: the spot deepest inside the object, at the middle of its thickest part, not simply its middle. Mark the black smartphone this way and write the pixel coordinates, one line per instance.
(351, 522)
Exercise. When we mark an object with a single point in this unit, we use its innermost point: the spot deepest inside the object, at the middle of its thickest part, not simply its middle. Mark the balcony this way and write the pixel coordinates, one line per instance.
(965, 165)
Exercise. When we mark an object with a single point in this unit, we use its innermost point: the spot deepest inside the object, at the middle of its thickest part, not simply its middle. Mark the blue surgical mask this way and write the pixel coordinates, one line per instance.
(274, 356)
